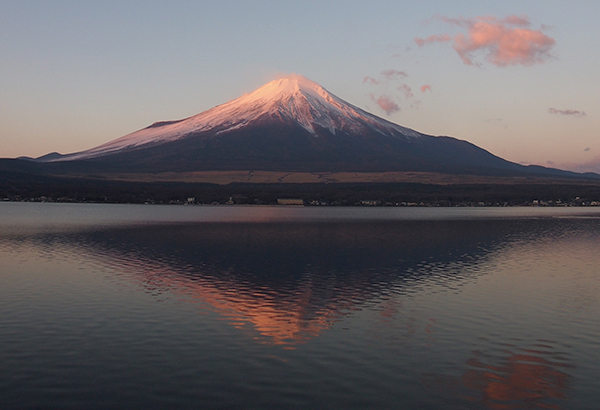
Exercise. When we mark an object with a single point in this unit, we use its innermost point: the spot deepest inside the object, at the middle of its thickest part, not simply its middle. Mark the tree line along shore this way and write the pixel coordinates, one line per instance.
(27, 187)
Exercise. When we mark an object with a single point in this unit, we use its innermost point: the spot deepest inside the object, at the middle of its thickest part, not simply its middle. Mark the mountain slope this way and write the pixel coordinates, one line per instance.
(293, 99)
(290, 124)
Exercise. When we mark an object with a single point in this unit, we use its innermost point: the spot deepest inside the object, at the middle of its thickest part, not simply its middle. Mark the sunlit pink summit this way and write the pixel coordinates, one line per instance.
(291, 98)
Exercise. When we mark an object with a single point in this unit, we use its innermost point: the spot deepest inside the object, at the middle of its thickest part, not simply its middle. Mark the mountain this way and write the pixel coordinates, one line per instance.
(290, 124)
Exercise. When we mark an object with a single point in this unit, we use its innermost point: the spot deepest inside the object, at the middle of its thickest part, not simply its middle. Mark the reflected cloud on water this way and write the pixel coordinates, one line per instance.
(513, 379)
(521, 377)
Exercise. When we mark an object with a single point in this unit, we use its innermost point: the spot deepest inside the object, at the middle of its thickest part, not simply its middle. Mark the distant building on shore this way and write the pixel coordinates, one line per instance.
(290, 201)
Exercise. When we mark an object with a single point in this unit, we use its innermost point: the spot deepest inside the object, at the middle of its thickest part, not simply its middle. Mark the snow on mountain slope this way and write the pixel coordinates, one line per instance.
(293, 98)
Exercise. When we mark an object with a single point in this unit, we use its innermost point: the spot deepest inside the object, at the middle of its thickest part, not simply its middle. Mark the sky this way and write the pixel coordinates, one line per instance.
(517, 78)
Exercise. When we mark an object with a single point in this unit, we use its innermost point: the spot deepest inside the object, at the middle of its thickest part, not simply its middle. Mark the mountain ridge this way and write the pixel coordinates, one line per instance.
(289, 124)
(294, 98)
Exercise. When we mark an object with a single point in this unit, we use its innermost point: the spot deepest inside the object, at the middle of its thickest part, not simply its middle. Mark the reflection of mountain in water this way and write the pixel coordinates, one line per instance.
(288, 282)
(291, 280)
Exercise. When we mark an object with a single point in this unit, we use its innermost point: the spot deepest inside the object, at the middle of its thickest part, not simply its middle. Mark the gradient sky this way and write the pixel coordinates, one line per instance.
(518, 78)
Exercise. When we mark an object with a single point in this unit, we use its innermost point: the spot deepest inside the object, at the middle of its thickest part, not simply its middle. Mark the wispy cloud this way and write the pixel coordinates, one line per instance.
(406, 90)
(589, 166)
(392, 93)
(370, 80)
(435, 38)
(497, 122)
(512, 20)
(425, 87)
(574, 113)
(507, 41)
(393, 74)
(386, 104)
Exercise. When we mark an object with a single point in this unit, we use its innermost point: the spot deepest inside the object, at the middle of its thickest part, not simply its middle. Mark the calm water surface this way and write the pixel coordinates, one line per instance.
(156, 307)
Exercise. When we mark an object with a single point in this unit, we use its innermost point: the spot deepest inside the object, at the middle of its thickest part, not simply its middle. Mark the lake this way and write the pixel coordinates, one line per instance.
(161, 307)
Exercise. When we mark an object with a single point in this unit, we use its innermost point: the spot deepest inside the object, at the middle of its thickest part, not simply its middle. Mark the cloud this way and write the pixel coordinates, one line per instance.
(574, 113)
(497, 121)
(507, 41)
(436, 38)
(512, 20)
(590, 166)
(406, 90)
(519, 21)
(370, 80)
(425, 88)
(386, 104)
(391, 74)
(392, 91)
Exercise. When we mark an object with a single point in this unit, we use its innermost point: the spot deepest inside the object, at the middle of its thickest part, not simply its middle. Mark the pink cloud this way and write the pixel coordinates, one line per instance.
(436, 38)
(461, 21)
(386, 104)
(574, 113)
(520, 21)
(391, 74)
(370, 80)
(506, 41)
(392, 91)
(425, 88)
(406, 90)
(512, 20)
(504, 45)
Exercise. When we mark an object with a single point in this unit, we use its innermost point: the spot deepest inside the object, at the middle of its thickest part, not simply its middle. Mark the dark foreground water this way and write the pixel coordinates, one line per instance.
(156, 307)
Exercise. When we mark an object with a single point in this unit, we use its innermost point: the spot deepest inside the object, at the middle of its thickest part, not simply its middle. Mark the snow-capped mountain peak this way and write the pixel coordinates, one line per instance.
(291, 98)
